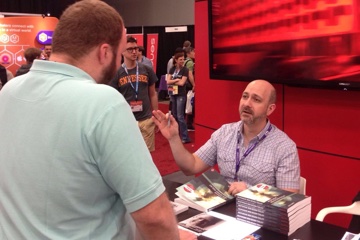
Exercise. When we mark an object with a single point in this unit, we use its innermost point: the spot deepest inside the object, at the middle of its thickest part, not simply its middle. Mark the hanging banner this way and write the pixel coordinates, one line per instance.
(20, 33)
(152, 48)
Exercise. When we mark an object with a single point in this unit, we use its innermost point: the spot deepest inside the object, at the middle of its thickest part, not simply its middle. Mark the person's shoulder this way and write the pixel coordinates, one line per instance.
(228, 127)
(281, 136)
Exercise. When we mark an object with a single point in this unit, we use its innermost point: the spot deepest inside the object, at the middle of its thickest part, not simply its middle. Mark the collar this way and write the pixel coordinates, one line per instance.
(260, 135)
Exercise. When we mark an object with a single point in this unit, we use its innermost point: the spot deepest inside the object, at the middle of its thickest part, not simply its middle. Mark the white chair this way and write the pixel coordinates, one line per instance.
(353, 209)
(302, 186)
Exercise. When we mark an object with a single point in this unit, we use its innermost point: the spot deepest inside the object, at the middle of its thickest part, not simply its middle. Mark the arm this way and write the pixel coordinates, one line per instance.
(182, 81)
(191, 80)
(170, 80)
(189, 163)
(153, 97)
(156, 220)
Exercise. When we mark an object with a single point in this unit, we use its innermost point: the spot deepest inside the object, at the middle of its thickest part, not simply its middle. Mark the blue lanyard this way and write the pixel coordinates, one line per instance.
(136, 88)
(175, 74)
(248, 151)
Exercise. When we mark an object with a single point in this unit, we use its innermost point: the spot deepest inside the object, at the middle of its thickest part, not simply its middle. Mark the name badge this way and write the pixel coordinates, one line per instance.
(136, 106)
(173, 89)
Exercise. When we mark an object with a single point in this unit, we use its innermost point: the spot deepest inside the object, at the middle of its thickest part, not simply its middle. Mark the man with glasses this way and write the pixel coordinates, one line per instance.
(136, 82)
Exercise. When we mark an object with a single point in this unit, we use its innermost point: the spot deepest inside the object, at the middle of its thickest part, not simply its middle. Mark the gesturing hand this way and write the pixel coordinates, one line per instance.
(166, 124)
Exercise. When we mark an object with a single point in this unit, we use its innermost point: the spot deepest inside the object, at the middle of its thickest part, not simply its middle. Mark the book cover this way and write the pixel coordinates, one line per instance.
(201, 222)
(208, 191)
(178, 207)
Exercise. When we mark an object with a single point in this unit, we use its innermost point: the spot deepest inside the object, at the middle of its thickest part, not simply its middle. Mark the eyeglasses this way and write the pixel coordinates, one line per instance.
(131, 49)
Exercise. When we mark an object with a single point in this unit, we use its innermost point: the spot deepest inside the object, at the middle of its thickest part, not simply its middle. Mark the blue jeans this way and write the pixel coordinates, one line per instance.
(178, 111)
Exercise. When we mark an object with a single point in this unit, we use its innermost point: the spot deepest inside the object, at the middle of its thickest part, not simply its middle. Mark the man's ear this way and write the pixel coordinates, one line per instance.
(104, 53)
(271, 109)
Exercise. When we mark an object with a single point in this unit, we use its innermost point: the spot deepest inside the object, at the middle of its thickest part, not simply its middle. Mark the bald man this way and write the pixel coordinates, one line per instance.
(247, 152)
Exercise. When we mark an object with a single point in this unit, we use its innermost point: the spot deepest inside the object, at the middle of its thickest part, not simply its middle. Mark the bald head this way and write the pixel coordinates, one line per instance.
(267, 89)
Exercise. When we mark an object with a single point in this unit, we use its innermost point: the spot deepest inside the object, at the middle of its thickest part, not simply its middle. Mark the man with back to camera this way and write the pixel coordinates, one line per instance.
(30, 55)
(247, 152)
(69, 170)
(136, 82)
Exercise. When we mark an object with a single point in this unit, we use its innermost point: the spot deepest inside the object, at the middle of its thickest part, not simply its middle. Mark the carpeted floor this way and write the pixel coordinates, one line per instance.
(162, 156)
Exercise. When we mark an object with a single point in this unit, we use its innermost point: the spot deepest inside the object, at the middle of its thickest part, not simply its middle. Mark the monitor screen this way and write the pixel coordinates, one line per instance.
(312, 43)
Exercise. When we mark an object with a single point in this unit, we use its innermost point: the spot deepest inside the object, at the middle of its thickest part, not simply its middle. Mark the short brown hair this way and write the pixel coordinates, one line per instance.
(31, 54)
(176, 56)
(86, 24)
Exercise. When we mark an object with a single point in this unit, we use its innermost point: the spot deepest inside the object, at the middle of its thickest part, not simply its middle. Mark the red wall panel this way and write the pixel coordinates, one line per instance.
(330, 117)
(331, 181)
(323, 123)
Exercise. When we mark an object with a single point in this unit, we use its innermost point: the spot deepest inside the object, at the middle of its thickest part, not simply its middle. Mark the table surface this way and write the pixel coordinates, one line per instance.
(313, 230)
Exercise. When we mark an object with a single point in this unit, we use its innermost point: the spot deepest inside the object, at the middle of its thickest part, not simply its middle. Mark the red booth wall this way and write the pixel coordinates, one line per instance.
(323, 123)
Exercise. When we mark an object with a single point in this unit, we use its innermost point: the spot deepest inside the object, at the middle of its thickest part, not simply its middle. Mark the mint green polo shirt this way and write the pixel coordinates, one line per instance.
(73, 163)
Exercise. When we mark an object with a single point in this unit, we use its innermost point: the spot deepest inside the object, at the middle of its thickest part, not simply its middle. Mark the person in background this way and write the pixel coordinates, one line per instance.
(142, 59)
(80, 168)
(176, 80)
(30, 55)
(136, 82)
(47, 51)
(5, 76)
(247, 152)
(186, 44)
(190, 84)
(170, 63)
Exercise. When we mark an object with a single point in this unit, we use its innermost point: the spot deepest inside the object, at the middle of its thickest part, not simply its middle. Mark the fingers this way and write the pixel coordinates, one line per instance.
(158, 117)
(236, 187)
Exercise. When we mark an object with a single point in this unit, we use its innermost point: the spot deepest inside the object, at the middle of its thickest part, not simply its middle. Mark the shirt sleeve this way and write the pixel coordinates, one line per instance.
(288, 168)
(122, 157)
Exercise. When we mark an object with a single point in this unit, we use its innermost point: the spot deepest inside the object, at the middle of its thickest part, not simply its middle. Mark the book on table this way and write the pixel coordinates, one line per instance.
(273, 208)
(215, 225)
(205, 192)
(178, 207)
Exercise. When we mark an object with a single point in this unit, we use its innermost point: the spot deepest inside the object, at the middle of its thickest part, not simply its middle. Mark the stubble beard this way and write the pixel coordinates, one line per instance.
(109, 72)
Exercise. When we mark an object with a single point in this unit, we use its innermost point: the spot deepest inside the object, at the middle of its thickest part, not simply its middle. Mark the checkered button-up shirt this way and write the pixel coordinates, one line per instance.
(273, 161)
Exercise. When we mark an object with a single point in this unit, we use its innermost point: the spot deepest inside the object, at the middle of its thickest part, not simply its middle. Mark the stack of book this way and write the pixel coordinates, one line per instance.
(205, 192)
(273, 208)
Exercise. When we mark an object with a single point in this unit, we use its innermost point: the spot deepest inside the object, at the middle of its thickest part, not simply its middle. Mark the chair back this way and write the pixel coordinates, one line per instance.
(353, 209)
(302, 186)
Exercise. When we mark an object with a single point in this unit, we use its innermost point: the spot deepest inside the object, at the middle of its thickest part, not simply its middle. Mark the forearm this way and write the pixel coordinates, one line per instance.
(191, 78)
(154, 99)
(157, 220)
(183, 158)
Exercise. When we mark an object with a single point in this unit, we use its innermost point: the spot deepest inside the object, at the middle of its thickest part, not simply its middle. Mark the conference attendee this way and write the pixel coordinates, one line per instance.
(142, 58)
(186, 44)
(247, 152)
(73, 162)
(176, 80)
(170, 63)
(5, 76)
(136, 82)
(30, 55)
(47, 51)
(190, 84)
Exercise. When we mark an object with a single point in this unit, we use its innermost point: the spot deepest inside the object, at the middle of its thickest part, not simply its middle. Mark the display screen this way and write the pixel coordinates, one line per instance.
(296, 42)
